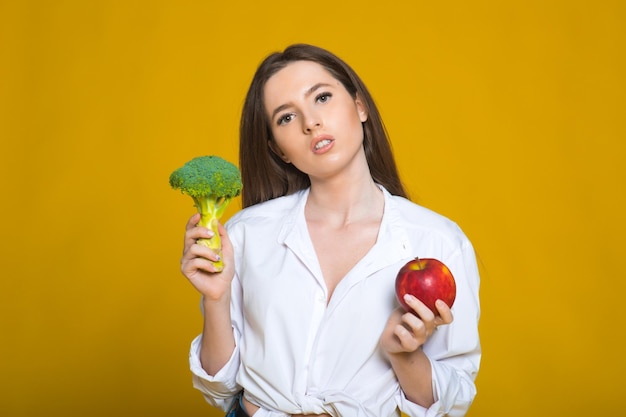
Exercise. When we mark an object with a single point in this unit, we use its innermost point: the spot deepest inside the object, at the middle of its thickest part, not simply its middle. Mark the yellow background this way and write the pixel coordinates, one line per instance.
(507, 117)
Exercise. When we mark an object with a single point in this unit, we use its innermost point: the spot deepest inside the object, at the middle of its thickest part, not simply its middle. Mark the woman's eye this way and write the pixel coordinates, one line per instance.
(323, 97)
(283, 120)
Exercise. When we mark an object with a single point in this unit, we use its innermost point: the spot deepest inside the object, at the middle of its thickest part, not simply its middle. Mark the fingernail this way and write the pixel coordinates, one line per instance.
(408, 298)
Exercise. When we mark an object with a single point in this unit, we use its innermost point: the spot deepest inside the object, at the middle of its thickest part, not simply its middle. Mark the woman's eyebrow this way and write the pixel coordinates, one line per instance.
(315, 88)
(308, 92)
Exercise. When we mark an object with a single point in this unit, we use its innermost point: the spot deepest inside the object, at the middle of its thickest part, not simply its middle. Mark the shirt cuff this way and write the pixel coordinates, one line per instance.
(415, 410)
(453, 395)
(219, 388)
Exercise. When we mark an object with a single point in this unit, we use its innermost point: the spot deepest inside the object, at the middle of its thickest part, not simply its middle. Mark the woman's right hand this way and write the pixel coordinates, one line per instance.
(196, 263)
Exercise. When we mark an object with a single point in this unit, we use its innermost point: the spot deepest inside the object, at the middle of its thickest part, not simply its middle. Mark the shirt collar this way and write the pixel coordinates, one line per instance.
(392, 245)
(297, 213)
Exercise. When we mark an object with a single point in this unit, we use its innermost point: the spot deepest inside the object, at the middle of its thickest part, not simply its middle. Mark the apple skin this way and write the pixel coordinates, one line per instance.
(427, 279)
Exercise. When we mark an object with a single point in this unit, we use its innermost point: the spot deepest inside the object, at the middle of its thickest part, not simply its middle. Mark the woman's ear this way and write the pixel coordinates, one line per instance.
(274, 148)
(361, 109)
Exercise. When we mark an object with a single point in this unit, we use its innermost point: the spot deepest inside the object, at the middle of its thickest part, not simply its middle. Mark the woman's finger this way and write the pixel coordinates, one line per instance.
(199, 251)
(409, 340)
(193, 221)
(445, 313)
(425, 314)
(422, 311)
(194, 233)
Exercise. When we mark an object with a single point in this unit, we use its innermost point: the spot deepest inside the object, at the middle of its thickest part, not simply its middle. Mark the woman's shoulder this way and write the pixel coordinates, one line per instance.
(277, 208)
(414, 216)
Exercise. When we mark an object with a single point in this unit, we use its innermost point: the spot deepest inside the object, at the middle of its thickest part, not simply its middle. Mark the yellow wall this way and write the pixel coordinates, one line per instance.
(506, 116)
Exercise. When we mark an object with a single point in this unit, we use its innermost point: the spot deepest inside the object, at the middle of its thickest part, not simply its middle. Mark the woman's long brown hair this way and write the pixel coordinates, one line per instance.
(264, 174)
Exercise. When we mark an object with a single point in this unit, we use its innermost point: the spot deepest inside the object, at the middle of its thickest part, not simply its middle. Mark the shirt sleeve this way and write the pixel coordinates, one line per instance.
(456, 394)
(454, 350)
(220, 389)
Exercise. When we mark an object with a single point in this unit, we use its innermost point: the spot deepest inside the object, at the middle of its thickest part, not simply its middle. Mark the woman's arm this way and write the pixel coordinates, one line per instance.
(402, 341)
(218, 341)
(438, 367)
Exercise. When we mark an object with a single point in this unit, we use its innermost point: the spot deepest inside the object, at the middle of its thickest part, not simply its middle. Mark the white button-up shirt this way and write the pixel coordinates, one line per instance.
(297, 354)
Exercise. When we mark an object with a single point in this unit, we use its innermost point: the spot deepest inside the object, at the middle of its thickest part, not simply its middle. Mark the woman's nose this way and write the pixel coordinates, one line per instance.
(312, 121)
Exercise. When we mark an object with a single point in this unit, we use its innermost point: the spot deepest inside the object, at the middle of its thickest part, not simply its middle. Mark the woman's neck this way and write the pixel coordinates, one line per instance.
(345, 201)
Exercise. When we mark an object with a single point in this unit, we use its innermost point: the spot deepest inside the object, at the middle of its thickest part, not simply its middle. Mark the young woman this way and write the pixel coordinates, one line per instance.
(303, 320)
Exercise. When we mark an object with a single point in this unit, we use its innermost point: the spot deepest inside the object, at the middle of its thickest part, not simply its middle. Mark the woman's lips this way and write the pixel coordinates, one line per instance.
(322, 144)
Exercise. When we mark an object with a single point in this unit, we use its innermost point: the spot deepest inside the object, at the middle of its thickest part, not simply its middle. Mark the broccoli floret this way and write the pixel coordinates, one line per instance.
(212, 182)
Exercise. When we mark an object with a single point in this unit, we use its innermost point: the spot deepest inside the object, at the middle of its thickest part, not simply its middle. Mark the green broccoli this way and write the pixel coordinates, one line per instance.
(212, 182)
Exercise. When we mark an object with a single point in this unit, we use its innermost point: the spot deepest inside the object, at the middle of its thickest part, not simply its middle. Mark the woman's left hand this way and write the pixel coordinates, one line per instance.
(407, 332)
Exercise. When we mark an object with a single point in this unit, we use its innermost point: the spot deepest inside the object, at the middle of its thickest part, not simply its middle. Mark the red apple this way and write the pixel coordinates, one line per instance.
(427, 279)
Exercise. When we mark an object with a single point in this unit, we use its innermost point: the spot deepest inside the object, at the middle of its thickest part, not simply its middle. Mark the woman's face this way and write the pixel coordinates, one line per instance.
(316, 124)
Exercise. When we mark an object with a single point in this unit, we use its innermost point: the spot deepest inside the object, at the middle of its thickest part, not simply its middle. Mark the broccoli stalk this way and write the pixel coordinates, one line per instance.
(212, 183)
